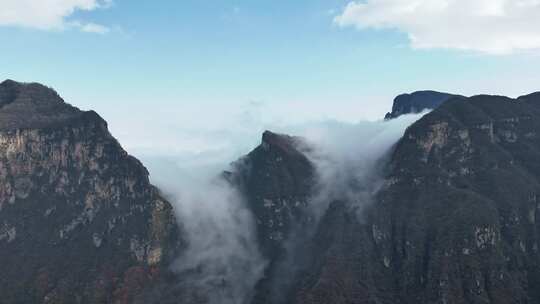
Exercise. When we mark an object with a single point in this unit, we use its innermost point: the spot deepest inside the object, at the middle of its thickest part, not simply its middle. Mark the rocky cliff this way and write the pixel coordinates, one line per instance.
(456, 221)
(79, 220)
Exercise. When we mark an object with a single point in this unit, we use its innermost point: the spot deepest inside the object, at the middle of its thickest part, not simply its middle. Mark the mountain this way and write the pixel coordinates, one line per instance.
(277, 179)
(455, 222)
(79, 220)
(417, 102)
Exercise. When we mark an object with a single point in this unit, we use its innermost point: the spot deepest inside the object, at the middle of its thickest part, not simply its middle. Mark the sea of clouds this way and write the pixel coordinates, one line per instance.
(222, 262)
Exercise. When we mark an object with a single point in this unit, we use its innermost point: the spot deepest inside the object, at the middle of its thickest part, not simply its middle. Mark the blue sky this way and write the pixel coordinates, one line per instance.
(208, 64)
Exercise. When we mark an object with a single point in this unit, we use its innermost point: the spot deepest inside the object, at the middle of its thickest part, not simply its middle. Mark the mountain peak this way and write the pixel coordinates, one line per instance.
(285, 143)
(12, 91)
(417, 102)
(33, 105)
(272, 138)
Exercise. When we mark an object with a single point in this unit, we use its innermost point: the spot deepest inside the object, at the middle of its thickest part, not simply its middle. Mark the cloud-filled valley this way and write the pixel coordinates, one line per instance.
(223, 262)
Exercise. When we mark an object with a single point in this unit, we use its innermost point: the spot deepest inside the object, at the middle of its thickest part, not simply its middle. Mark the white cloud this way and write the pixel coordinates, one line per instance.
(50, 14)
(488, 26)
(95, 28)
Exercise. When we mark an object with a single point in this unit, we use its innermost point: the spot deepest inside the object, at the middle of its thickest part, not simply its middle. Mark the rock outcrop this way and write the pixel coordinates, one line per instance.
(79, 220)
(417, 102)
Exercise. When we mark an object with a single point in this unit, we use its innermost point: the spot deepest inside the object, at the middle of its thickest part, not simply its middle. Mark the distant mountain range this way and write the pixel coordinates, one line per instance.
(456, 220)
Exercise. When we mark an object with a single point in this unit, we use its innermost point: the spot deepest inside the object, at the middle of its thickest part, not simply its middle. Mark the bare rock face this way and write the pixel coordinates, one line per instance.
(79, 220)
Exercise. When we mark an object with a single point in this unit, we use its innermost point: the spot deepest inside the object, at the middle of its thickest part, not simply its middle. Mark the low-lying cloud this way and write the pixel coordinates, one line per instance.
(350, 158)
(487, 26)
(222, 262)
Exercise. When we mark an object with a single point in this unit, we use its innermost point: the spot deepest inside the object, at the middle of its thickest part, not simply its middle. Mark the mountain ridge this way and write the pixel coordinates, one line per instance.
(458, 206)
(455, 221)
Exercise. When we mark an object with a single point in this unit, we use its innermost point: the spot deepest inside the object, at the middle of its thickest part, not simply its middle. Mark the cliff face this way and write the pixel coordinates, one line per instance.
(467, 176)
(456, 221)
(417, 102)
(276, 178)
(79, 220)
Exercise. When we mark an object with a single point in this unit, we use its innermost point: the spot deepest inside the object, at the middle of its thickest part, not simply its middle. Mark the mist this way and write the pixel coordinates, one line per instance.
(221, 262)
(350, 159)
